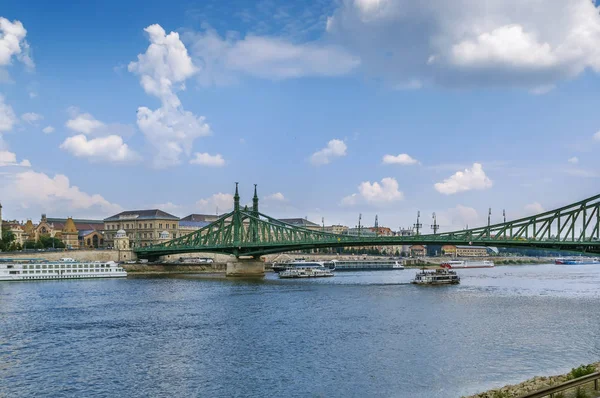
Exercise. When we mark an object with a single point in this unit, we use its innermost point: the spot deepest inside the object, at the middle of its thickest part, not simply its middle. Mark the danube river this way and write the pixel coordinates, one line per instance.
(357, 334)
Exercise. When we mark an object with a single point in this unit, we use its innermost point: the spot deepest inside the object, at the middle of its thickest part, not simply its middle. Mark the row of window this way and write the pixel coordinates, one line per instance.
(66, 276)
(57, 266)
(145, 235)
(139, 226)
(67, 271)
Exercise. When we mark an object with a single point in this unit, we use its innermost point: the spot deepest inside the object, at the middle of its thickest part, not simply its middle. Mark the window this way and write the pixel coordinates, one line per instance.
(145, 226)
(174, 226)
(150, 226)
(160, 226)
(167, 225)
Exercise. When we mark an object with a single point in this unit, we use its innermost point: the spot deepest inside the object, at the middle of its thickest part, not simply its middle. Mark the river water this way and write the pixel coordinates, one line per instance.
(357, 334)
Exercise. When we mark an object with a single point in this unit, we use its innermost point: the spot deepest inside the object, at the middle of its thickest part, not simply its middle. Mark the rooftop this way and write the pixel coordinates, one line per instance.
(154, 214)
(201, 218)
(299, 222)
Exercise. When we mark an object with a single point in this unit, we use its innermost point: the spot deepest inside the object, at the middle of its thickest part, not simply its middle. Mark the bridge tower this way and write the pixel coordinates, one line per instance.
(435, 225)
(418, 225)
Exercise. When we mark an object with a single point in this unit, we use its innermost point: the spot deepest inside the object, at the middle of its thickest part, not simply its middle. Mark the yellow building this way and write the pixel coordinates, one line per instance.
(471, 251)
(449, 250)
(418, 251)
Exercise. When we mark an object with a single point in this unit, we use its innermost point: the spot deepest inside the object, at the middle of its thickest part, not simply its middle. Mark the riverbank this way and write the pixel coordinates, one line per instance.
(540, 382)
(140, 269)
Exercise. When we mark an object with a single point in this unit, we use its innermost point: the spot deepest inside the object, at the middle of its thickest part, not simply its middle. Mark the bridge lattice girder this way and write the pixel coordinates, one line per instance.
(575, 227)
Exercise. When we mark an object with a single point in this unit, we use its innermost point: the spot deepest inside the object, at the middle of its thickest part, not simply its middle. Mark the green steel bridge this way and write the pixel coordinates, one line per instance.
(247, 232)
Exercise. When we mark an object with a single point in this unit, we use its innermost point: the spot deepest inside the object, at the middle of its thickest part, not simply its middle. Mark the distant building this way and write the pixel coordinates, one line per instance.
(204, 218)
(449, 250)
(336, 229)
(141, 227)
(418, 250)
(471, 251)
(302, 222)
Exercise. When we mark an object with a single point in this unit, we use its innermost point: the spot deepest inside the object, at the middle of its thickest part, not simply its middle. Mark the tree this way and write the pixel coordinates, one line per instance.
(7, 238)
(38, 245)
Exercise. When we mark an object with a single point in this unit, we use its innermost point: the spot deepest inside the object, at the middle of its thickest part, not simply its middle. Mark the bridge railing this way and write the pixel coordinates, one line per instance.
(550, 391)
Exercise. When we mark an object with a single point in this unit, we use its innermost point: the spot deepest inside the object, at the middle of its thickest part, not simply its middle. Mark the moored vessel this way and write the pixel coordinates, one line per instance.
(66, 268)
(300, 263)
(364, 265)
(305, 272)
(468, 264)
(576, 260)
(440, 276)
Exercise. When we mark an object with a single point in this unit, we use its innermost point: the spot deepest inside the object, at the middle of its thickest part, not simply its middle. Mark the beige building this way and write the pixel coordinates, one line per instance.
(471, 251)
(142, 227)
(418, 251)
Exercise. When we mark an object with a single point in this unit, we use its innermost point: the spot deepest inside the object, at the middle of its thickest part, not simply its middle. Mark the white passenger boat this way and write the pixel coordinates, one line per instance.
(469, 264)
(442, 276)
(300, 263)
(305, 272)
(66, 268)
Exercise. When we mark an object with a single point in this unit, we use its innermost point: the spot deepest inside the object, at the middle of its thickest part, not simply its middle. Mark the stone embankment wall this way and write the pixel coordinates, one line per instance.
(532, 385)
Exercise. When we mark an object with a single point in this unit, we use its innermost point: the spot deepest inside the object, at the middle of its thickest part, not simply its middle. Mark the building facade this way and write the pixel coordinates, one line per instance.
(141, 227)
(471, 251)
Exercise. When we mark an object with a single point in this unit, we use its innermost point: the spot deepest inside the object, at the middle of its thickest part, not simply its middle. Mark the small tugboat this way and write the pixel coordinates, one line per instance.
(440, 276)
(305, 272)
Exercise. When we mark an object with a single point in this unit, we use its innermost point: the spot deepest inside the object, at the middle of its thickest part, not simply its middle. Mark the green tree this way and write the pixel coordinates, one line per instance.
(29, 244)
(38, 245)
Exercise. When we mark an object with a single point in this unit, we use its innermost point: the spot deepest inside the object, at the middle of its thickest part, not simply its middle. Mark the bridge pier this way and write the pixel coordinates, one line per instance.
(245, 267)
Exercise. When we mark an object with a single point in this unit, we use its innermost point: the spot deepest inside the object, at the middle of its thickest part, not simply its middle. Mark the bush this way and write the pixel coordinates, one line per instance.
(581, 371)
(580, 393)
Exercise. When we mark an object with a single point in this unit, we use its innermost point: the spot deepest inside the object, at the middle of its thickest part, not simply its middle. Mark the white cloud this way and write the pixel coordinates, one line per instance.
(376, 193)
(469, 179)
(574, 160)
(458, 218)
(10, 159)
(206, 159)
(221, 201)
(522, 43)
(276, 197)
(402, 158)
(13, 43)
(7, 116)
(31, 188)
(110, 148)
(264, 57)
(597, 136)
(48, 129)
(163, 69)
(83, 123)
(534, 208)
(335, 148)
(169, 207)
(31, 118)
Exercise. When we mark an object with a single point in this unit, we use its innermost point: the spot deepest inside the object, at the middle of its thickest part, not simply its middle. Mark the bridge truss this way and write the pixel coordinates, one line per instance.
(247, 232)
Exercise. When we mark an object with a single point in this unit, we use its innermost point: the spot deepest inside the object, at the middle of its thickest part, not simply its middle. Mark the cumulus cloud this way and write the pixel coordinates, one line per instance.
(574, 160)
(7, 116)
(276, 197)
(83, 123)
(403, 159)
(31, 118)
(223, 59)
(459, 217)
(110, 148)
(13, 43)
(597, 136)
(30, 188)
(10, 159)
(376, 193)
(163, 69)
(335, 148)
(221, 201)
(534, 208)
(469, 42)
(206, 159)
(469, 179)
(48, 130)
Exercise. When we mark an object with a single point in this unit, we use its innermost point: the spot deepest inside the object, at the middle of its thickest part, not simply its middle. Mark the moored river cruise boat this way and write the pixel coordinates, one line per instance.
(469, 264)
(441, 276)
(305, 272)
(65, 268)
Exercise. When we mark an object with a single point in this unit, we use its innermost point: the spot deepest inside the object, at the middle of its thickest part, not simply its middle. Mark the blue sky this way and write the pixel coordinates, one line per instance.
(120, 105)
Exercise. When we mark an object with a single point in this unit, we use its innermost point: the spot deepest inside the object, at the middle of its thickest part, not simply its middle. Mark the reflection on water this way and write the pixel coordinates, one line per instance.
(357, 334)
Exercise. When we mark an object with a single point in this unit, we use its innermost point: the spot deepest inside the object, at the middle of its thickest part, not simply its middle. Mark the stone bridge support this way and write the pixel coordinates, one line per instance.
(245, 267)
